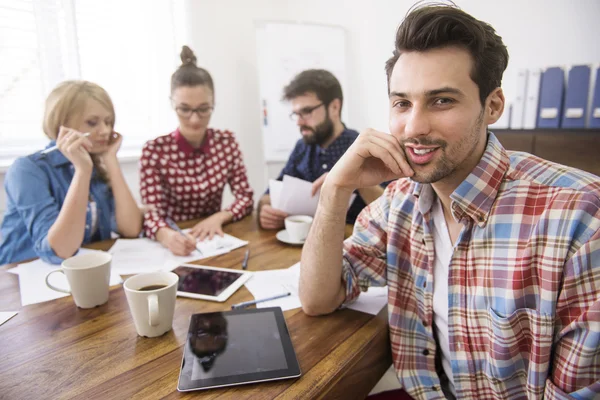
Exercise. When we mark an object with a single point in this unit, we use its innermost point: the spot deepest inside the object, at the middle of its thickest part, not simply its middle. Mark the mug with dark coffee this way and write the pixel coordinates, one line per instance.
(151, 287)
(151, 298)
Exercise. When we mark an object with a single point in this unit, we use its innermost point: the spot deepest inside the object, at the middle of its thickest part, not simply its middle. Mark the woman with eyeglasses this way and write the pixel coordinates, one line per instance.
(73, 192)
(183, 174)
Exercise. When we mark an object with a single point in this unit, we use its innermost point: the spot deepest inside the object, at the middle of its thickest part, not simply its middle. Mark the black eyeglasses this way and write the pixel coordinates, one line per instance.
(186, 112)
(304, 113)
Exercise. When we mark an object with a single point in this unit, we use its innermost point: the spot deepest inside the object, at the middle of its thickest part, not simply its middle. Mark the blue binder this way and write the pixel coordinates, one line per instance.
(551, 98)
(576, 98)
(595, 111)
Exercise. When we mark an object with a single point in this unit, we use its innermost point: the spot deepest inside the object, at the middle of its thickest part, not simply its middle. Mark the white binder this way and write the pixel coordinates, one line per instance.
(518, 106)
(532, 98)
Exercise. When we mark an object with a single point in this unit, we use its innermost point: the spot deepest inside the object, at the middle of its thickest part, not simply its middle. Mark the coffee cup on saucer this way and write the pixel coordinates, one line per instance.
(297, 227)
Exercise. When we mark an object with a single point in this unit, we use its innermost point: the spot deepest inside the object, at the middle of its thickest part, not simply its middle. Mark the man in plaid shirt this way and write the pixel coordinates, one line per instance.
(491, 257)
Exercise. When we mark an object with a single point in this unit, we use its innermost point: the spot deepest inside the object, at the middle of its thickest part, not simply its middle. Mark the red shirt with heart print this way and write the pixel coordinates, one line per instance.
(185, 183)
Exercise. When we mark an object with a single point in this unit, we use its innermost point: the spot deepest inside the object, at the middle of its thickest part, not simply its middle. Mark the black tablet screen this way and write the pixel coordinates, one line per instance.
(237, 347)
(204, 281)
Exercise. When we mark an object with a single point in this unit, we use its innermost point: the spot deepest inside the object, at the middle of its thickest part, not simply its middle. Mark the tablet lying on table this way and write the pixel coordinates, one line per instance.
(237, 347)
(209, 283)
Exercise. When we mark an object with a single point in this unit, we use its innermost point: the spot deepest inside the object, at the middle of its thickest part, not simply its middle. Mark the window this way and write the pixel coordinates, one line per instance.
(21, 87)
(125, 46)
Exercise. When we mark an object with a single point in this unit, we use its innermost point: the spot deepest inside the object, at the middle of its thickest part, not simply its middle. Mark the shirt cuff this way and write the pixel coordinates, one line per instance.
(240, 209)
(152, 225)
(46, 253)
(349, 280)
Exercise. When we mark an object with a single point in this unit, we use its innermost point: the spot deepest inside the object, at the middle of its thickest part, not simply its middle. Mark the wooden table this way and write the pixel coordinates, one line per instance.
(55, 350)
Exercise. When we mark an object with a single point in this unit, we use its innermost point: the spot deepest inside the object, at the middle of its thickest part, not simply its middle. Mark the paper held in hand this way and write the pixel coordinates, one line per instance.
(293, 196)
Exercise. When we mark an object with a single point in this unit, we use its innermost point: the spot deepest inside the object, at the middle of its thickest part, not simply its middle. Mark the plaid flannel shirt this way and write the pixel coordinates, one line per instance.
(524, 279)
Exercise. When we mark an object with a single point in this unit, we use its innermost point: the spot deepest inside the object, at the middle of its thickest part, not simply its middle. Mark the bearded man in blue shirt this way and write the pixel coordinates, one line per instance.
(316, 99)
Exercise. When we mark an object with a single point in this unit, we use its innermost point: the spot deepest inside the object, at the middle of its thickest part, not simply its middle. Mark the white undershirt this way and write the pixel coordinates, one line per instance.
(443, 253)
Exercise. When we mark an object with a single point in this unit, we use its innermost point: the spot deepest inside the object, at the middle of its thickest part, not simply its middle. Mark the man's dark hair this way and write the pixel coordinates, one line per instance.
(441, 25)
(319, 81)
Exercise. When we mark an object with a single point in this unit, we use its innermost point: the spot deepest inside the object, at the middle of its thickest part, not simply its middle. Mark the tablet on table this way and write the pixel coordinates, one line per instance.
(209, 283)
(237, 347)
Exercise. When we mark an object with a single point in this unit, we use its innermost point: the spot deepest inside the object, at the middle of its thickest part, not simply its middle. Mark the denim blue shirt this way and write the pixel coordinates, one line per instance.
(36, 187)
(310, 161)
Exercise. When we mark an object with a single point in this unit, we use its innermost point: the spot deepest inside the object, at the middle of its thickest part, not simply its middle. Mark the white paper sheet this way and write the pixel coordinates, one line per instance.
(275, 193)
(134, 256)
(293, 196)
(32, 281)
(371, 301)
(265, 284)
(6, 315)
(219, 245)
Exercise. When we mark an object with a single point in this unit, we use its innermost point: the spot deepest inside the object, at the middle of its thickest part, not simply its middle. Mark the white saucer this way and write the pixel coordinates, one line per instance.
(284, 237)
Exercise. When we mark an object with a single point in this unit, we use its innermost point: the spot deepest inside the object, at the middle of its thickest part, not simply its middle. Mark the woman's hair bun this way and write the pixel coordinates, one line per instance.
(187, 56)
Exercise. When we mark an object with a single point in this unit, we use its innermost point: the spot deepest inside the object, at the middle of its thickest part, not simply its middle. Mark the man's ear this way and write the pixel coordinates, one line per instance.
(494, 106)
(335, 107)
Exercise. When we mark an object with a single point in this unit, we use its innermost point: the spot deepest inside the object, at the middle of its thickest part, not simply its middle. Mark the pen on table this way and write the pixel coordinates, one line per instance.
(252, 302)
(174, 226)
(245, 262)
(51, 149)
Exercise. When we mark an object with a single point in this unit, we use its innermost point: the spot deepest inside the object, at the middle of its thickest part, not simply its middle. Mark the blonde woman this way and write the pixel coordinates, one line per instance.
(59, 200)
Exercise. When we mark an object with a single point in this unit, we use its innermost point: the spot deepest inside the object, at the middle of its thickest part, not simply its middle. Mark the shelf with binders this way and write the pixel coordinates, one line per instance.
(578, 148)
(555, 98)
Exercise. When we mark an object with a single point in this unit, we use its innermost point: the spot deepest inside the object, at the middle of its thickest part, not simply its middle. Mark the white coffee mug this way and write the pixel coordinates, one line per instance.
(297, 226)
(151, 297)
(88, 276)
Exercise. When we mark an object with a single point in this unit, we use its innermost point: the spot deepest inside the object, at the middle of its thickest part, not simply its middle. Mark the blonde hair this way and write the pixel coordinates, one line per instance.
(66, 102)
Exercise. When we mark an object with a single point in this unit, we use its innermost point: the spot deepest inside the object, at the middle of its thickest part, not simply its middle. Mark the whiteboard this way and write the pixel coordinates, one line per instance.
(283, 50)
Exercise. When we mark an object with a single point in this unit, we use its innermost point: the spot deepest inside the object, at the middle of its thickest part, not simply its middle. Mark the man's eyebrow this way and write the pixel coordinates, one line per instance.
(446, 89)
(431, 93)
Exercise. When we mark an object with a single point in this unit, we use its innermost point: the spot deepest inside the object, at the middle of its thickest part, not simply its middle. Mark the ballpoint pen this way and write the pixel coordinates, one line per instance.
(174, 226)
(245, 262)
(51, 149)
(252, 302)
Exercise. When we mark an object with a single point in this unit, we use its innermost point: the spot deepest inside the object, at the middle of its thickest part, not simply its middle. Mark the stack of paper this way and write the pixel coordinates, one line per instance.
(32, 281)
(134, 256)
(293, 196)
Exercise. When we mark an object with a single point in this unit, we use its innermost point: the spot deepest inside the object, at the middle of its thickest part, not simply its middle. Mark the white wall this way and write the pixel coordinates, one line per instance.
(221, 32)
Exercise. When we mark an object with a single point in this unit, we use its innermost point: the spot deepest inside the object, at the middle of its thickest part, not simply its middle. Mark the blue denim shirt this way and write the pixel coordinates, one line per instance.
(36, 187)
(310, 161)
